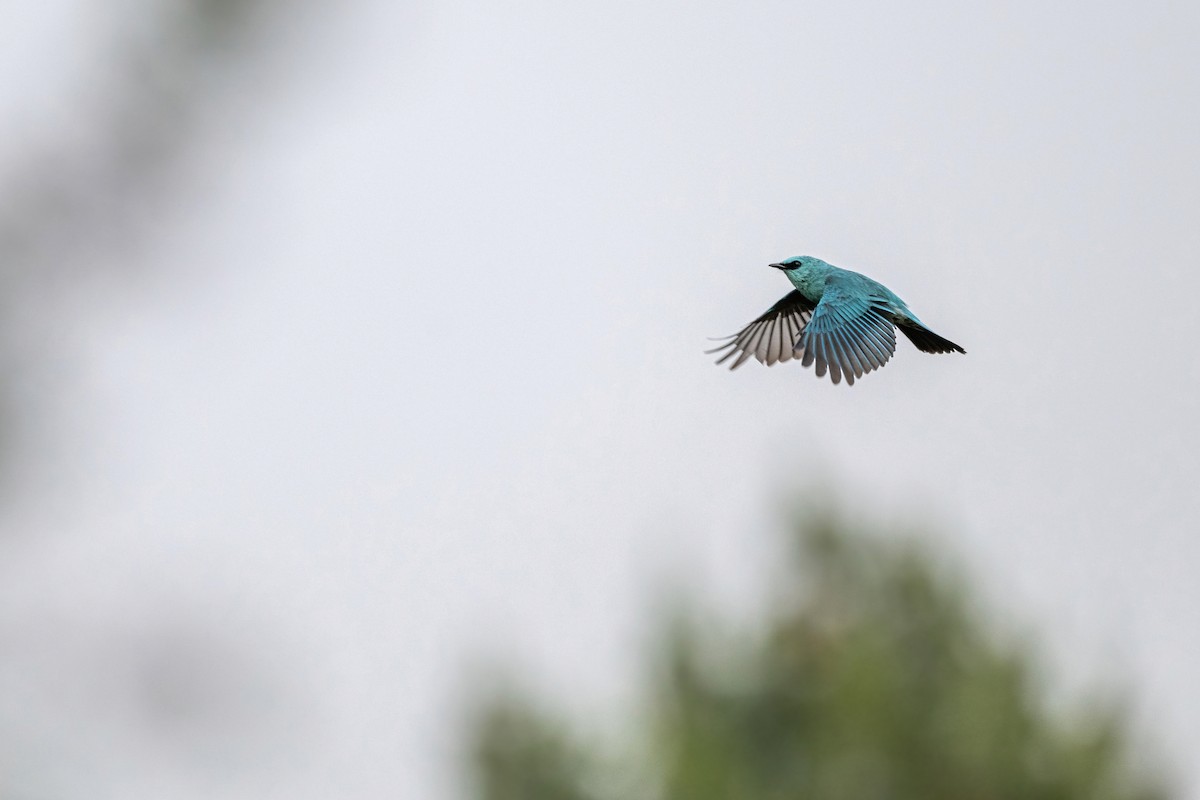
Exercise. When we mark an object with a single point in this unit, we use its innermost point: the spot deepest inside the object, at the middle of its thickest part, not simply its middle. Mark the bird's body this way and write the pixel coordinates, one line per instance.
(840, 320)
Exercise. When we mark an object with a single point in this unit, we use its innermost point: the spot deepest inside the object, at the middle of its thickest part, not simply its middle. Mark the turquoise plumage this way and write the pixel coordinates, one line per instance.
(839, 320)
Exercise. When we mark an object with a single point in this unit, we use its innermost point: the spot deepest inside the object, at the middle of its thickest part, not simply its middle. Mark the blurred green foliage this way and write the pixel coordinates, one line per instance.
(872, 676)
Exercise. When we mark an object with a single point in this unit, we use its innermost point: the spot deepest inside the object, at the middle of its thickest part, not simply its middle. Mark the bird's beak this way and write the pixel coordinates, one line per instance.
(778, 266)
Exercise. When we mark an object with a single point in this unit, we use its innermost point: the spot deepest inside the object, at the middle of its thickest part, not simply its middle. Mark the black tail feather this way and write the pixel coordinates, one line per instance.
(927, 341)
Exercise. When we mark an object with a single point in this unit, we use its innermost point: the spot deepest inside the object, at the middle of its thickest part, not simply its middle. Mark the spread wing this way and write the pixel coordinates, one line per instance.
(773, 336)
(848, 334)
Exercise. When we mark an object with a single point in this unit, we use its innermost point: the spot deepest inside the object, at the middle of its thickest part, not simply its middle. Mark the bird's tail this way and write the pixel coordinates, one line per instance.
(926, 340)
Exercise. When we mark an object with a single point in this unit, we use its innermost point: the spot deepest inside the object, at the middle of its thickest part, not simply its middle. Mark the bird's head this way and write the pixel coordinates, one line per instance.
(797, 262)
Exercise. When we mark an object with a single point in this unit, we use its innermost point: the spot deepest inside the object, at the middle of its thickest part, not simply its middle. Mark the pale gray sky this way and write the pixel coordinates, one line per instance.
(423, 377)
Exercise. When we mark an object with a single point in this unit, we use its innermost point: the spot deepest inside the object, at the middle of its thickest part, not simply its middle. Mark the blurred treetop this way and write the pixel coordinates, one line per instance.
(872, 678)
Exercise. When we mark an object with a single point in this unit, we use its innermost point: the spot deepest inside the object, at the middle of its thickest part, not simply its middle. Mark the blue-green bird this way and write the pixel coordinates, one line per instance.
(837, 319)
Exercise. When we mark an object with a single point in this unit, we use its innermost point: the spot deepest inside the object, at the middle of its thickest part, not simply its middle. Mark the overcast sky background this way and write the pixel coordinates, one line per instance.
(410, 372)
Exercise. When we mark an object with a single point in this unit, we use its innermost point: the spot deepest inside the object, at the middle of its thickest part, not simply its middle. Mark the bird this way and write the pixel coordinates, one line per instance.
(840, 320)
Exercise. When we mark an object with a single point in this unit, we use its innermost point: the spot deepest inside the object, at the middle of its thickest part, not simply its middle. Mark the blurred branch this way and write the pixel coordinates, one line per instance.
(70, 205)
(81, 196)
